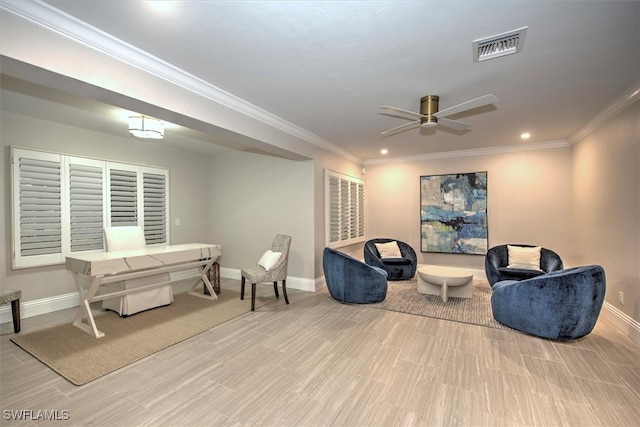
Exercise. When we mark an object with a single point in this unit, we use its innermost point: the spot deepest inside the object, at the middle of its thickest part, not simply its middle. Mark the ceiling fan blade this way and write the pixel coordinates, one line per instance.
(454, 124)
(474, 103)
(400, 110)
(397, 128)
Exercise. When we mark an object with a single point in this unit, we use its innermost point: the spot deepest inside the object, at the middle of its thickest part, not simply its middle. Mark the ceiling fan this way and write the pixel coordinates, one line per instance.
(429, 116)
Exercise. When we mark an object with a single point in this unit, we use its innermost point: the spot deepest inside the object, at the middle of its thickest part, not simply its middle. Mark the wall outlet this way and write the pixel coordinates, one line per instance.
(621, 297)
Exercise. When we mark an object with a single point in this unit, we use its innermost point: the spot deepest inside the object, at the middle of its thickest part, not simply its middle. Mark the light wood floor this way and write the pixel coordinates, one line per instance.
(320, 363)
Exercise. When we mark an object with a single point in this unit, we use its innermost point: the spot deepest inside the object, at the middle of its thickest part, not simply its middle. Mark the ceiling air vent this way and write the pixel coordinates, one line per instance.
(498, 45)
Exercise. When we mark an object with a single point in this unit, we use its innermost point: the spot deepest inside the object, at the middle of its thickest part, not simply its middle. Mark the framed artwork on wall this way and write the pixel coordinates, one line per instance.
(453, 213)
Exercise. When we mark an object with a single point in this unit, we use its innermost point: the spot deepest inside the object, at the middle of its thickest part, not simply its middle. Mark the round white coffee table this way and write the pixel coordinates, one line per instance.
(437, 280)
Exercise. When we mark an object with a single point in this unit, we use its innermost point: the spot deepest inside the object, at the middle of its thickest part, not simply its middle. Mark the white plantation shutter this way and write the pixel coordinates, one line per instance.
(61, 204)
(155, 207)
(353, 210)
(87, 204)
(38, 191)
(333, 214)
(361, 207)
(123, 196)
(139, 196)
(344, 209)
(344, 216)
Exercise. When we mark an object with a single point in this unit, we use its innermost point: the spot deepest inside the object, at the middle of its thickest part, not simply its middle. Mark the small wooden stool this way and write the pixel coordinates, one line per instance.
(12, 296)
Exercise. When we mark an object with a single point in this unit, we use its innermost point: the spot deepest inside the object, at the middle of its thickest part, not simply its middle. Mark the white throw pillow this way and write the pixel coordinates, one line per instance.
(389, 250)
(269, 259)
(524, 258)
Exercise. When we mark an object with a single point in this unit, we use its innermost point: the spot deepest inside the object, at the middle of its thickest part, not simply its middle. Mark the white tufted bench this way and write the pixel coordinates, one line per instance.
(12, 296)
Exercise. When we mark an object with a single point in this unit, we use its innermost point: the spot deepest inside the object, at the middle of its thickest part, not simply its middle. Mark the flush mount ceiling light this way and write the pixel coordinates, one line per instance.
(146, 127)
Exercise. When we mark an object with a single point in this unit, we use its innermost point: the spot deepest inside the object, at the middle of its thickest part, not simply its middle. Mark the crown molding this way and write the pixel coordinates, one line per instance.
(622, 102)
(52, 19)
(471, 153)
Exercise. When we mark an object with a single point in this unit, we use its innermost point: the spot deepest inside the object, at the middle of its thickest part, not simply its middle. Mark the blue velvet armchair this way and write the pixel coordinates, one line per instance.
(397, 268)
(497, 260)
(352, 281)
(562, 305)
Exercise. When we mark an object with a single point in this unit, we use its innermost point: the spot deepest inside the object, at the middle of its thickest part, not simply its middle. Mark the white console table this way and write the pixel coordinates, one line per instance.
(96, 269)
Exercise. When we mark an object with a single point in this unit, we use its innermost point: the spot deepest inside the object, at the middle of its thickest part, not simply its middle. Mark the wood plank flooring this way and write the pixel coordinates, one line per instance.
(317, 362)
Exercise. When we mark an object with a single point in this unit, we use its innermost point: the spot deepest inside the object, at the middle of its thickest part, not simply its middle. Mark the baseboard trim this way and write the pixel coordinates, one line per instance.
(293, 282)
(71, 300)
(41, 306)
(620, 320)
(320, 283)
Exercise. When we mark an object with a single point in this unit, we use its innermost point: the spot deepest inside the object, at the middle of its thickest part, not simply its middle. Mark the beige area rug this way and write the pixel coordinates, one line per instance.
(80, 358)
(403, 296)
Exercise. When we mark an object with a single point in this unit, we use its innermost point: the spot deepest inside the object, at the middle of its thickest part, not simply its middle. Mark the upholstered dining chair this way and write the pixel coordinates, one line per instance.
(271, 268)
(131, 238)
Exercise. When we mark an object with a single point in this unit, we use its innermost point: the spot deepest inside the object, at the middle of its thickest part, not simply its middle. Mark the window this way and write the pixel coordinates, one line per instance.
(61, 204)
(344, 209)
(123, 197)
(86, 204)
(154, 206)
(38, 204)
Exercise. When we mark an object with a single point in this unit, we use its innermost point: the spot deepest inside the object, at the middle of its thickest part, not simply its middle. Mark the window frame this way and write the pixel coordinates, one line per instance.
(65, 162)
(345, 219)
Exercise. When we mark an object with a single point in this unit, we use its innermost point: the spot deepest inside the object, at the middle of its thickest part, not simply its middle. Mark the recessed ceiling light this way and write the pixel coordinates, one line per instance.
(384, 151)
(160, 6)
(525, 135)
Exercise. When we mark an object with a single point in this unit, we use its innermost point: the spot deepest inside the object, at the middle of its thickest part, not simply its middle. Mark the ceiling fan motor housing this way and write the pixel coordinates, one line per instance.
(428, 107)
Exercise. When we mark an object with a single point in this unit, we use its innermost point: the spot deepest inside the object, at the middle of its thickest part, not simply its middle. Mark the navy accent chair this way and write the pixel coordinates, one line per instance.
(353, 281)
(403, 268)
(497, 259)
(562, 305)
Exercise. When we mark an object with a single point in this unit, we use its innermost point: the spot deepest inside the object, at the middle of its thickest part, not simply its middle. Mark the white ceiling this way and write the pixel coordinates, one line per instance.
(326, 66)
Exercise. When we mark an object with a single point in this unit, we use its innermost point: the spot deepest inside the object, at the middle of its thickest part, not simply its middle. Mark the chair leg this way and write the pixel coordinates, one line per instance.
(253, 297)
(242, 288)
(15, 312)
(275, 289)
(284, 290)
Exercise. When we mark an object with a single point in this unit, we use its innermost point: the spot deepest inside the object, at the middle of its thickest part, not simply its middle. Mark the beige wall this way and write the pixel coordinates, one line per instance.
(529, 200)
(188, 181)
(324, 160)
(252, 197)
(606, 206)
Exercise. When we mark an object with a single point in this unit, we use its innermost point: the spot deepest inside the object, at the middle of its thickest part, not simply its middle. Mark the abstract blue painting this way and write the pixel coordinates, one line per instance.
(453, 213)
